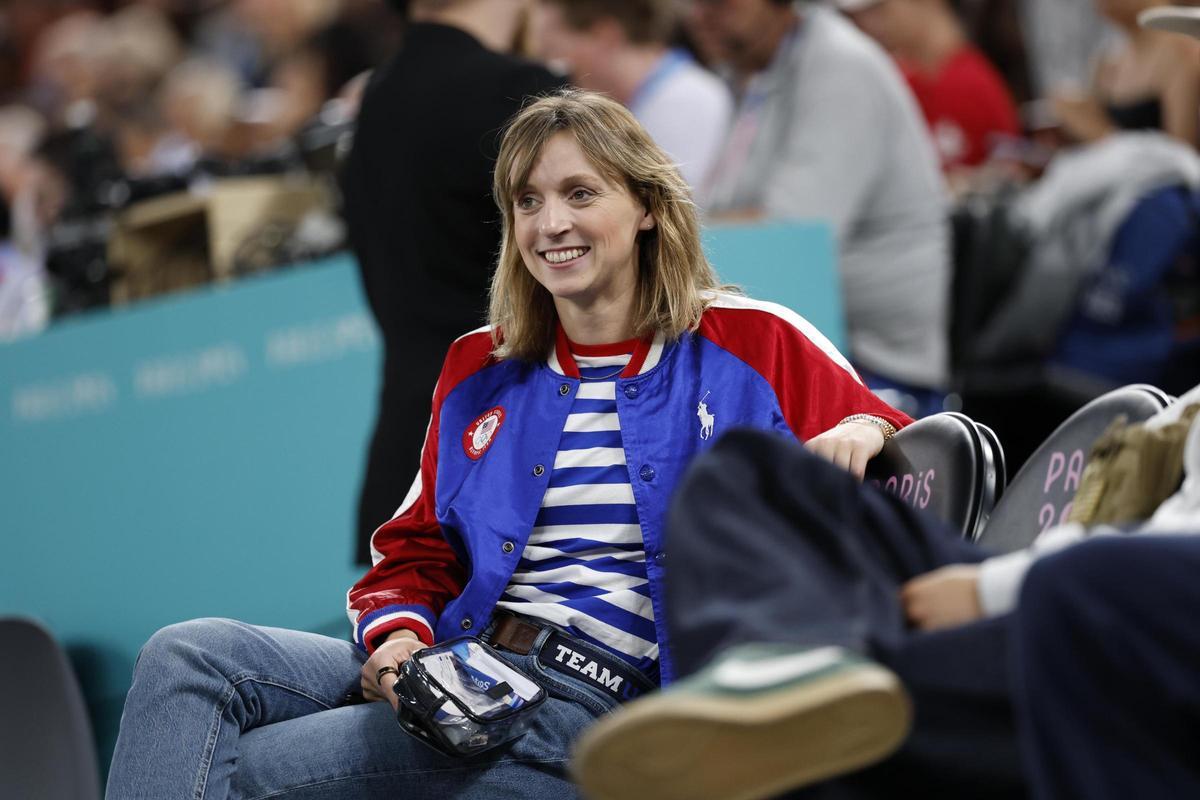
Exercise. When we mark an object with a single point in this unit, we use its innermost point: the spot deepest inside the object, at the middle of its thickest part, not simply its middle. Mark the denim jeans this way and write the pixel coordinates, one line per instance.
(219, 708)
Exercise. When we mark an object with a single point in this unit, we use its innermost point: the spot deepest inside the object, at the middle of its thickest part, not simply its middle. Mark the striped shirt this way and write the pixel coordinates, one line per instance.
(584, 566)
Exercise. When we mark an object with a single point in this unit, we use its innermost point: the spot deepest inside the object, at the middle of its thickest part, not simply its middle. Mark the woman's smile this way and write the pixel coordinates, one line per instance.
(564, 256)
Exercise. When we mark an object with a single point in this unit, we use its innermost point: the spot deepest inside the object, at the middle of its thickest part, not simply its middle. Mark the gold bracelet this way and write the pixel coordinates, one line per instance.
(887, 428)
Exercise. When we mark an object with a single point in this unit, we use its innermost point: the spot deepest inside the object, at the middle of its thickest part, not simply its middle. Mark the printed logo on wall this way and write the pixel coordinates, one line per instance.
(480, 434)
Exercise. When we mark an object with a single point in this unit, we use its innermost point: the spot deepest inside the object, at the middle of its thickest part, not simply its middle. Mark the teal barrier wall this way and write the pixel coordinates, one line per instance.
(194, 456)
(791, 263)
(200, 455)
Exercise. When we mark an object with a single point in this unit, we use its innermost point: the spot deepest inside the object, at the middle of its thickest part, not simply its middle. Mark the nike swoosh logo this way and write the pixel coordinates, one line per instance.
(759, 673)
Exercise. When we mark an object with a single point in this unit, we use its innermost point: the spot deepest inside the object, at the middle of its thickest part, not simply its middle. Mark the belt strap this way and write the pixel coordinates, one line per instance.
(571, 656)
(514, 634)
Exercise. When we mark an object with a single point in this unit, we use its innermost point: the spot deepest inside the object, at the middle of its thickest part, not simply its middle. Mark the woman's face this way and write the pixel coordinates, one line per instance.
(576, 231)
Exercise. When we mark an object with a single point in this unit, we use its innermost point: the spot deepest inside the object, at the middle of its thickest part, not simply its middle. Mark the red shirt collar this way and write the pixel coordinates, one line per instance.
(564, 348)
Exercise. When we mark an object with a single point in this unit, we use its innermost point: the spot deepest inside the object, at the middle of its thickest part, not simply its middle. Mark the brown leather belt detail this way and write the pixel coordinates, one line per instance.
(513, 634)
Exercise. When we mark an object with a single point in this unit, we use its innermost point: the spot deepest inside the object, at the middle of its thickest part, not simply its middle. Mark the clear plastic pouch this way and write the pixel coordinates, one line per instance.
(461, 698)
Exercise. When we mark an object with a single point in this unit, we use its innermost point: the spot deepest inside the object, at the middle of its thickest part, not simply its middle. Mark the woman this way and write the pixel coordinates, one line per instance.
(1149, 81)
(536, 519)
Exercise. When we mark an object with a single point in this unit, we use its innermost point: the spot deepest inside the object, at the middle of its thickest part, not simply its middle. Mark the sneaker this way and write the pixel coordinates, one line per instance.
(759, 720)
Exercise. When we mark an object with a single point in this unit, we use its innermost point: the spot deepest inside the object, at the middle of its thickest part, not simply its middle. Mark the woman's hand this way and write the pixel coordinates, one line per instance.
(849, 445)
(944, 598)
(398, 648)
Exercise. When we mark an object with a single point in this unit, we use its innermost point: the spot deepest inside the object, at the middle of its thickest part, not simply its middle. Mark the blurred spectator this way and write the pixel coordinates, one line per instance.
(620, 47)
(422, 222)
(826, 129)
(137, 48)
(315, 72)
(21, 129)
(199, 99)
(1149, 79)
(65, 69)
(252, 36)
(964, 99)
(994, 26)
(21, 25)
(1062, 38)
(24, 302)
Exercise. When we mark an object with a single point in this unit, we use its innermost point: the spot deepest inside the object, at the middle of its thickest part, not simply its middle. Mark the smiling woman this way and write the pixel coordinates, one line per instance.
(579, 167)
(557, 437)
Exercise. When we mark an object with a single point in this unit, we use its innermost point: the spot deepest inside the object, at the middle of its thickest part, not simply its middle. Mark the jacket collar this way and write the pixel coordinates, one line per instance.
(646, 355)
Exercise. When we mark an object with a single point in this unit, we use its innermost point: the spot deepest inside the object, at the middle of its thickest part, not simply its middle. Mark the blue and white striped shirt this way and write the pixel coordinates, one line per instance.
(584, 566)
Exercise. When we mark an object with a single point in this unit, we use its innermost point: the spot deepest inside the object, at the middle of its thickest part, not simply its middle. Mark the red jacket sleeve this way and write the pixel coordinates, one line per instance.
(815, 385)
(415, 572)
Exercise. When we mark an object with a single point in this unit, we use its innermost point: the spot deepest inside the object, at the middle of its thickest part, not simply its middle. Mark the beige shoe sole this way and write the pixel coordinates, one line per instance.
(683, 746)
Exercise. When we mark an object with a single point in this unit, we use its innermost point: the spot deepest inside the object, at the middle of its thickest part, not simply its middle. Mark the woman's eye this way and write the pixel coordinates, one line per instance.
(525, 203)
(580, 194)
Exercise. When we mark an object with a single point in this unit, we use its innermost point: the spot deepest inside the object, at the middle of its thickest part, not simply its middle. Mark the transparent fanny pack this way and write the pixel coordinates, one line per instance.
(461, 698)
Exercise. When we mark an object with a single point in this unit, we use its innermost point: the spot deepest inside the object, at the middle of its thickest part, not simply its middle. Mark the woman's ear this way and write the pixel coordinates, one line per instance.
(648, 222)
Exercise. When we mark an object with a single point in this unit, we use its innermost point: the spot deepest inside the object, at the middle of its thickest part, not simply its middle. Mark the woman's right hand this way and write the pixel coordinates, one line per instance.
(398, 648)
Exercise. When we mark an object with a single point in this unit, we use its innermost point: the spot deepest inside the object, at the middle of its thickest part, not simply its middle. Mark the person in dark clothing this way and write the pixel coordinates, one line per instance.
(769, 546)
(421, 219)
(802, 622)
(1105, 669)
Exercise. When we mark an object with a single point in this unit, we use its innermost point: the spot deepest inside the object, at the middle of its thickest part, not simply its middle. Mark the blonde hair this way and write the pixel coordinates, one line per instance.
(673, 274)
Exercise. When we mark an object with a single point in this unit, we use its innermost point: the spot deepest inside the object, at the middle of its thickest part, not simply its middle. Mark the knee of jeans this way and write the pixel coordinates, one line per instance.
(184, 642)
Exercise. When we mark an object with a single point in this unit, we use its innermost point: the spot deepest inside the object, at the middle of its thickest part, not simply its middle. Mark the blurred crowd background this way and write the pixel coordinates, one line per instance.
(108, 103)
(122, 123)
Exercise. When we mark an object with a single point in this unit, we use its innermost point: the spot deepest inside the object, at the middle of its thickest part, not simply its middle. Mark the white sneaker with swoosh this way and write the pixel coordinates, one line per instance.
(759, 720)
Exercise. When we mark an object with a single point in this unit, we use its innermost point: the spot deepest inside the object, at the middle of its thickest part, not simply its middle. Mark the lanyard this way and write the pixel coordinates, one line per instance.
(736, 151)
(669, 63)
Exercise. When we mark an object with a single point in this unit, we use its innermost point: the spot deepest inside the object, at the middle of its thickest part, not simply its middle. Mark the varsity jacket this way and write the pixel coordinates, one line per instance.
(447, 555)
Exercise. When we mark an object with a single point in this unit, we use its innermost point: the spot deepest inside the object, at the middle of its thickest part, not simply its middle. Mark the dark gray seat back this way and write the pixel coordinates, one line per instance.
(46, 746)
(1040, 495)
(945, 464)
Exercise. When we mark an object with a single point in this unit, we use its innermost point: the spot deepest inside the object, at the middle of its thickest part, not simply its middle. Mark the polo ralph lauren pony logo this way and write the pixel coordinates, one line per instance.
(707, 420)
(480, 434)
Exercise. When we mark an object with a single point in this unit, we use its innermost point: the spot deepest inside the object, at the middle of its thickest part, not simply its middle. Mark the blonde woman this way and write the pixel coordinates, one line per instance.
(536, 522)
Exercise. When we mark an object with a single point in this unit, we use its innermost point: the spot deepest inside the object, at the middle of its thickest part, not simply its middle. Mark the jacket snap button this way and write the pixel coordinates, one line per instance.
(508, 547)
(646, 473)
(466, 624)
(631, 391)
(539, 471)
(564, 389)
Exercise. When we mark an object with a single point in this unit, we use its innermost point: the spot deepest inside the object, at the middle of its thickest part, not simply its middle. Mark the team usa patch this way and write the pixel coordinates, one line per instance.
(480, 434)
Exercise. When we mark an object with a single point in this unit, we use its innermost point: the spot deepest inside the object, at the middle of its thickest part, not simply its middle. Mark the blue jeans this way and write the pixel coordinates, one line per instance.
(219, 708)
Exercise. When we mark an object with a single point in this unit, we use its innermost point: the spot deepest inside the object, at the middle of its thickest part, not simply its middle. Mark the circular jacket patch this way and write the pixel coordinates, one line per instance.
(478, 436)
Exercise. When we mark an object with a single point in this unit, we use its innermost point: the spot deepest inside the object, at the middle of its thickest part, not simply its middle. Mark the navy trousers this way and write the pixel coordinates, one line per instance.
(768, 543)
(1106, 652)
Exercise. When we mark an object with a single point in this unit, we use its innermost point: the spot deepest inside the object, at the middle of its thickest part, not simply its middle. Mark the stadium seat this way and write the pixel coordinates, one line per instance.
(46, 746)
(1041, 493)
(946, 464)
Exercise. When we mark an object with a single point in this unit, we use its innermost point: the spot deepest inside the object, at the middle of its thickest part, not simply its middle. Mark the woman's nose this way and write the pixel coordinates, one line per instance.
(555, 221)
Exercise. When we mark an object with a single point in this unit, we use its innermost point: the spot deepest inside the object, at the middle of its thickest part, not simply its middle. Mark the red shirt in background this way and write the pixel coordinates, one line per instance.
(964, 102)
